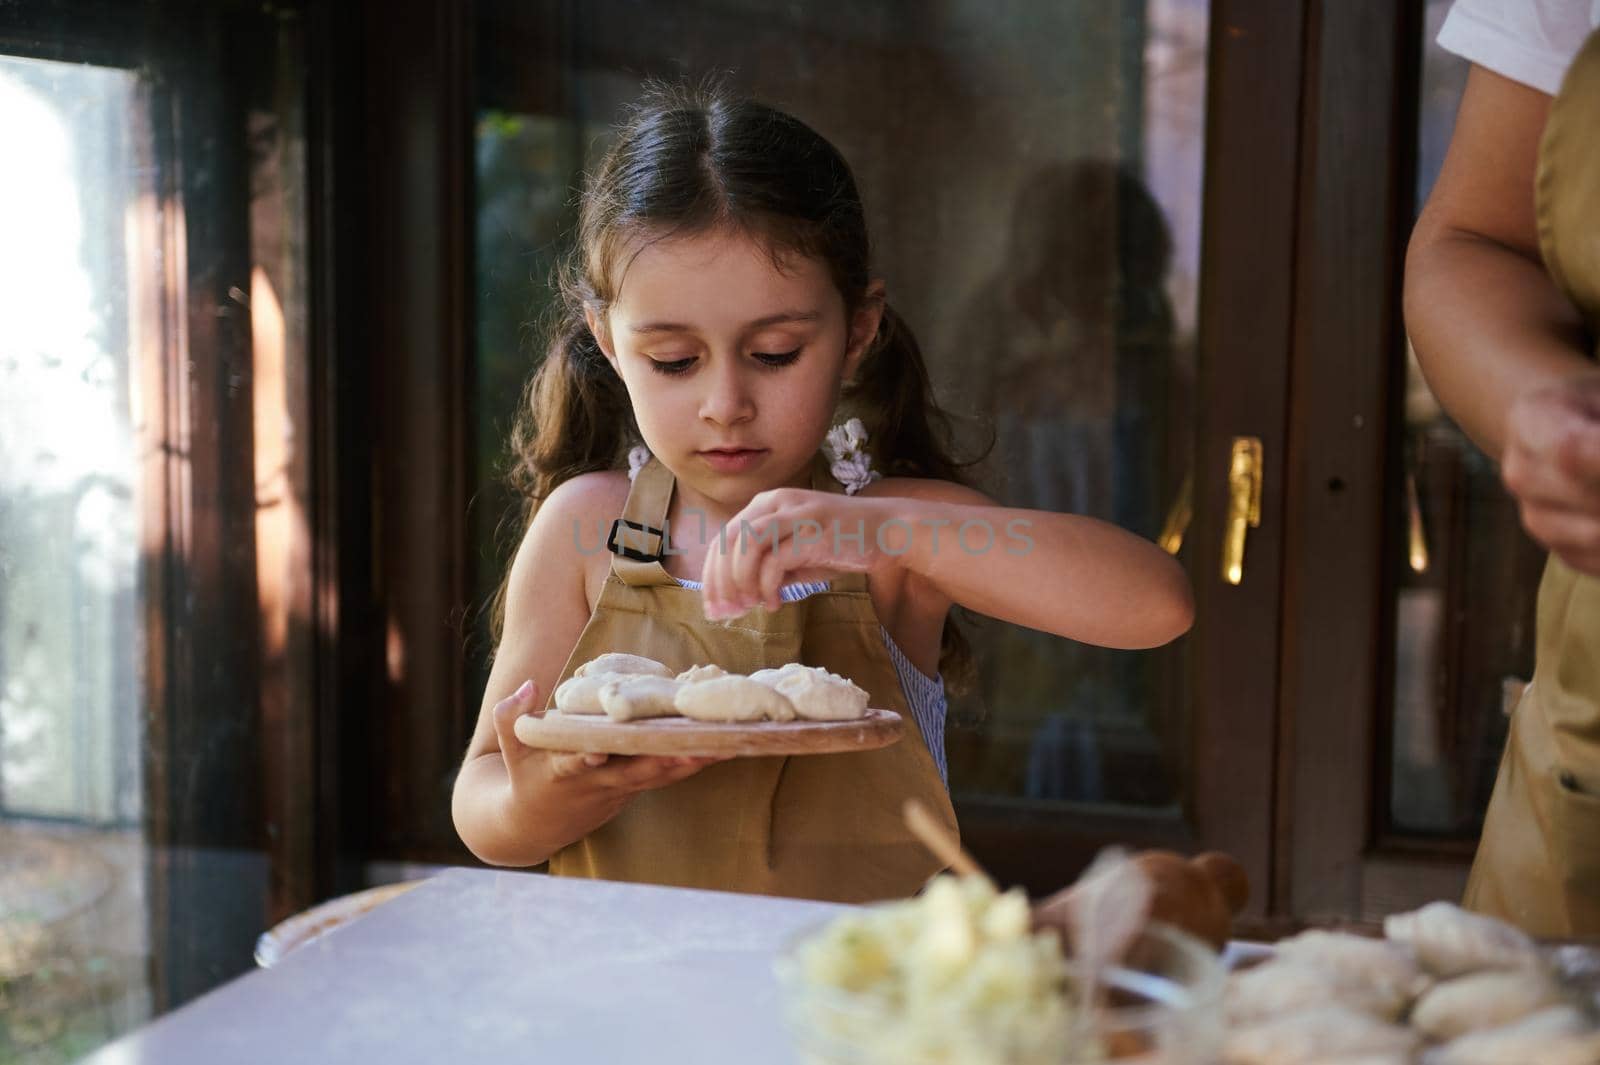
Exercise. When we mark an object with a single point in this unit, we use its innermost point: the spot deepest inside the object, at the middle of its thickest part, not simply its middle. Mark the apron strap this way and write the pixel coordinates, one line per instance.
(638, 538)
(1567, 184)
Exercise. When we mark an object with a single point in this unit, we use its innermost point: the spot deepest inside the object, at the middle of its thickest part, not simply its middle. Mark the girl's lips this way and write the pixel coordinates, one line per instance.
(733, 461)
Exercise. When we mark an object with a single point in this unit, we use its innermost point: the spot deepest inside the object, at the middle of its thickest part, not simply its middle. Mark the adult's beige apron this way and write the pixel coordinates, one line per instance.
(1538, 863)
(826, 826)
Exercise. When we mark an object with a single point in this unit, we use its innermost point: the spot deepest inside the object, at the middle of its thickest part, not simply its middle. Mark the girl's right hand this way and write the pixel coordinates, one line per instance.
(618, 777)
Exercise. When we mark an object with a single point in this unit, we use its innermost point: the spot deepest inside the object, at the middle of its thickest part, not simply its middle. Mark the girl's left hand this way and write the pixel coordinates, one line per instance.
(795, 534)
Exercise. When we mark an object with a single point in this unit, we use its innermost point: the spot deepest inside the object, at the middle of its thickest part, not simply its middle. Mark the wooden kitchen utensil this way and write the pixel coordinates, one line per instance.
(684, 737)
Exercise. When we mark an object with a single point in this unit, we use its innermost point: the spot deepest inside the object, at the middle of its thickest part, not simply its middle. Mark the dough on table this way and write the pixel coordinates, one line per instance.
(1388, 968)
(695, 674)
(635, 696)
(618, 662)
(817, 694)
(1282, 987)
(1310, 1037)
(733, 698)
(580, 696)
(1449, 941)
(1559, 1036)
(1483, 1000)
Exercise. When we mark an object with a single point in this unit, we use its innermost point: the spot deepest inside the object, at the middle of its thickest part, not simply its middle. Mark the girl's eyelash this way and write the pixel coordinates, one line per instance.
(777, 359)
(673, 368)
(772, 360)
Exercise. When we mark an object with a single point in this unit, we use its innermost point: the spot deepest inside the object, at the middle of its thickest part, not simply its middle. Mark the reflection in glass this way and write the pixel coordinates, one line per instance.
(1468, 576)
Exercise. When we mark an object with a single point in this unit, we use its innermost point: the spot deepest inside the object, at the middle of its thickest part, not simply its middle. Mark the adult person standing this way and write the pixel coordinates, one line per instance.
(1502, 303)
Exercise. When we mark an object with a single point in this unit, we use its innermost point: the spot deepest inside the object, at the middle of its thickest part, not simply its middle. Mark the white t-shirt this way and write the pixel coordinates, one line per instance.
(1529, 41)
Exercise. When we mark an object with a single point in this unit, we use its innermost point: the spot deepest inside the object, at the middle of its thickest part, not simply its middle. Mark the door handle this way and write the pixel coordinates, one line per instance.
(1244, 504)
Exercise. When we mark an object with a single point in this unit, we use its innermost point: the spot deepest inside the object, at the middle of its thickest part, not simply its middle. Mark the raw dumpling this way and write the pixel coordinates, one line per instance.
(1559, 1036)
(771, 677)
(635, 696)
(817, 694)
(1483, 1000)
(695, 674)
(1310, 1037)
(1281, 987)
(1388, 967)
(732, 698)
(617, 662)
(580, 696)
(1449, 941)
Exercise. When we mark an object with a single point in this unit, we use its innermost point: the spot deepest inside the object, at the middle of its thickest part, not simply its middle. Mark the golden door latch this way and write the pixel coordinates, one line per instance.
(1244, 504)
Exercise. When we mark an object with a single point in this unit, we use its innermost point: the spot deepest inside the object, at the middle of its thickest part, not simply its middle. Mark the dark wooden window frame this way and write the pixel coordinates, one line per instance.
(1360, 130)
(240, 753)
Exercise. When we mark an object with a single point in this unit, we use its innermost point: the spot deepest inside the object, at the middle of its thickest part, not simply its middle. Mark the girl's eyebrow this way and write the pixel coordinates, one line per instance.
(781, 318)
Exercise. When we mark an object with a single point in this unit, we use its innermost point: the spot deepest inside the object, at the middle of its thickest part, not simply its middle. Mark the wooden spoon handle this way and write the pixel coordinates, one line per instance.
(937, 839)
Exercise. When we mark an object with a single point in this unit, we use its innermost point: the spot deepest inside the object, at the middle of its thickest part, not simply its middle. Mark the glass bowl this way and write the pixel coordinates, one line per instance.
(1162, 1006)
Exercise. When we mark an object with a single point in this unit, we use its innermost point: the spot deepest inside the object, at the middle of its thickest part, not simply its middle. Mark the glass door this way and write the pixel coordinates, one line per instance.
(155, 575)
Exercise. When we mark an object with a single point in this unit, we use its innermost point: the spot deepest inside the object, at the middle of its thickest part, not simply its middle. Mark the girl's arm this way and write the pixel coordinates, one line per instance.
(514, 805)
(1066, 574)
(1060, 573)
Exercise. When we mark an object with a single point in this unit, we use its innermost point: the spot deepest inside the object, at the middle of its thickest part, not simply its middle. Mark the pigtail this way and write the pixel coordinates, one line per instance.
(911, 436)
(574, 418)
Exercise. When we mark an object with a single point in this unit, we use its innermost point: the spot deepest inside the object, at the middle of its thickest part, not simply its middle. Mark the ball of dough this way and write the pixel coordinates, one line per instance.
(1309, 1036)
(732, 698)
(1449, 941)
(1558, 1036)
(618, 662)
(635, 696)
(1486, 999)
(818, 695)
(695, 674)
(770, 677)
(1386, 968)
(1282, 987)
(580, 696)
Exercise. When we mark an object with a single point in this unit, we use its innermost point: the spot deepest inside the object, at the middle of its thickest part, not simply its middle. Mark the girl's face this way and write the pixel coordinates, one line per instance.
(732, 364)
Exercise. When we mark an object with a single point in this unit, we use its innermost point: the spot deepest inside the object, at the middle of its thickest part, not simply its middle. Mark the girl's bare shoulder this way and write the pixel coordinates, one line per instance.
(598, 495)
(574, 519)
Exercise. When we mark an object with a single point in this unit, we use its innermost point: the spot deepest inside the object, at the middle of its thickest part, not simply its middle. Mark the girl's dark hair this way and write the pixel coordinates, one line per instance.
(695, 161)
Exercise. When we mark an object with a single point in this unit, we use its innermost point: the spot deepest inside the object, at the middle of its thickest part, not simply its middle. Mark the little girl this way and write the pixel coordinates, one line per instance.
(719, 309)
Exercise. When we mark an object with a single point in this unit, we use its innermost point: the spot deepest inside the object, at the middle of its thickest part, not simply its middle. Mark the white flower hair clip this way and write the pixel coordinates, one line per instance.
(848, 460)
(638, 459)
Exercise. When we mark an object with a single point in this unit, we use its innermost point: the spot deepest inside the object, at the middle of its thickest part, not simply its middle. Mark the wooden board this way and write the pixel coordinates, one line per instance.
(681, 736)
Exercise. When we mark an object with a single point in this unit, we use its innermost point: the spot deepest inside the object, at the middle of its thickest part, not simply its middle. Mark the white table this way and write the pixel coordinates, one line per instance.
(479, 965)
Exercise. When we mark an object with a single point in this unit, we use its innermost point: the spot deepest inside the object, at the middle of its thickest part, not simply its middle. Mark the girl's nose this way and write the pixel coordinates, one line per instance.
(727, 401)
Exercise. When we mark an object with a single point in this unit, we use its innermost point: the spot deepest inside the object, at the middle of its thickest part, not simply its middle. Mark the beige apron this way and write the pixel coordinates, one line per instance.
(823, 826)
(1538, 863)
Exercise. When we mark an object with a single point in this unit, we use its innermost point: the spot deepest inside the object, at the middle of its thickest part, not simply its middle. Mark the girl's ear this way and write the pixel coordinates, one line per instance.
(602, 336)
(864, 327)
